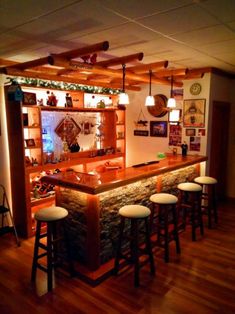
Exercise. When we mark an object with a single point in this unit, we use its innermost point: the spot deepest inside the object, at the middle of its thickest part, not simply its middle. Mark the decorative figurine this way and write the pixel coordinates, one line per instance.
(51, 100)
(184, 147)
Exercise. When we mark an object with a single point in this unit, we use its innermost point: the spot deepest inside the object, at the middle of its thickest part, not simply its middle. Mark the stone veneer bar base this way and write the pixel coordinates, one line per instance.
(93, 219)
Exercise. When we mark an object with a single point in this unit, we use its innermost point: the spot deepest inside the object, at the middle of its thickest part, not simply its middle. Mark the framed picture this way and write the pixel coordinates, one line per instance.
(194, 113)
(201, 132)
(190, 132)
(29, 98)
(174, 116)
(158, 128)
(30, 142)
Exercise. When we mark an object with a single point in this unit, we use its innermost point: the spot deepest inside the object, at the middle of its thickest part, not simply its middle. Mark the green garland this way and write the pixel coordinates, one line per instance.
(63, 85)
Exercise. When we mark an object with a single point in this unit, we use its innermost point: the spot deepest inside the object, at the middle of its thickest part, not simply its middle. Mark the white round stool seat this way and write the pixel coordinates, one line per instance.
(51, 214)
(189, 187)
(205, 180)
(134, 211)
(163, 198)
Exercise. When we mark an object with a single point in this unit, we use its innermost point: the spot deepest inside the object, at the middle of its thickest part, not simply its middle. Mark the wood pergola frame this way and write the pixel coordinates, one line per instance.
(66, 67)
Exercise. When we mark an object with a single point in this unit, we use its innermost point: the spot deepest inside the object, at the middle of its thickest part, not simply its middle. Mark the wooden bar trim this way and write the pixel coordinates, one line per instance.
(93, 232)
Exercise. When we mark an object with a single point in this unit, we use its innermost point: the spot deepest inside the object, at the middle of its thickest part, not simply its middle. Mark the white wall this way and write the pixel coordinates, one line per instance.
(140, 148)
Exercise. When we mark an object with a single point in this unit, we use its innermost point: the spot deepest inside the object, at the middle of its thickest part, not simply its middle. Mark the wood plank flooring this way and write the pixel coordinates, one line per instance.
(201, 280)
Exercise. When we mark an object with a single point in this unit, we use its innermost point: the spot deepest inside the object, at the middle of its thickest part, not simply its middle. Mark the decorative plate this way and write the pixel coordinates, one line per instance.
(195, 89)
(158, 110)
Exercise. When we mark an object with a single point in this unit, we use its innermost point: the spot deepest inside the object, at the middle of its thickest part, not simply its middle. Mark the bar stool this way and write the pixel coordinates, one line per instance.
(51, 216)
(190, 203)
(135, 214)
(209, 196)
(164, 207)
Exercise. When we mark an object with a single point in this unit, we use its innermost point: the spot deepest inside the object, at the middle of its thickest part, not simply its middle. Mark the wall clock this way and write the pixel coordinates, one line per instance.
(195, 89)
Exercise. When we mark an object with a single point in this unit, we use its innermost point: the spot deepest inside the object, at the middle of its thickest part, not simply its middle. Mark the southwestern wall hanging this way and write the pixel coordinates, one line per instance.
(194, 113)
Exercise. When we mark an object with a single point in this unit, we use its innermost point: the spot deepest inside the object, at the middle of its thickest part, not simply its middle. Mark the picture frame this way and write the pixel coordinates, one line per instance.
(190, 132)
(194, 113)
(158, 128)
(174, 116)
(30, 143)
(29, 98)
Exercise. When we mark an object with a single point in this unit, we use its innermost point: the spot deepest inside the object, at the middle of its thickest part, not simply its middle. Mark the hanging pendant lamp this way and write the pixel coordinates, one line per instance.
(171, 103)
(123, 97)
(149, 101)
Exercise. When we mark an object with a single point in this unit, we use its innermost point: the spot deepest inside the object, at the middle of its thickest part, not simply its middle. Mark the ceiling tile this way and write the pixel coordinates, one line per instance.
(223, 10)
(204, 36)
(179, 20)
(136, 9)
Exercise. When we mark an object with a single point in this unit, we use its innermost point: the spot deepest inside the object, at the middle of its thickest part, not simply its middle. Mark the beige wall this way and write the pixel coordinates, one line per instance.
(214, 88)
(140, 149)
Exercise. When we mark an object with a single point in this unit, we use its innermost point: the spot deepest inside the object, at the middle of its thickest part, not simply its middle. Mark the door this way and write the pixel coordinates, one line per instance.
(219, 145)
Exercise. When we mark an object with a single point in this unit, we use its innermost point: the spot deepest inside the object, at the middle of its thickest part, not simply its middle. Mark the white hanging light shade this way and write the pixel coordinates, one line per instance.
(123, 97)
(171, 103)
(149, 101)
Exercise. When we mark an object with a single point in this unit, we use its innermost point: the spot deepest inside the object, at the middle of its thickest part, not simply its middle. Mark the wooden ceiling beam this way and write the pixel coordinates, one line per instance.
(169, 73)
(75, 65)
(5, 62)
(142, 68)
(121, 60)
(72, 54)
(199, 71)
(189, 76)
(45, 76)
(28, 64)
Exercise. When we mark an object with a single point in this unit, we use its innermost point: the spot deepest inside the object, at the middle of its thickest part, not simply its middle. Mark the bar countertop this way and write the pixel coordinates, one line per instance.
(100, 182)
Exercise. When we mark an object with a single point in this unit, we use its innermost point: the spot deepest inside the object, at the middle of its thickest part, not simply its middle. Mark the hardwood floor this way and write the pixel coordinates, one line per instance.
(201, 280)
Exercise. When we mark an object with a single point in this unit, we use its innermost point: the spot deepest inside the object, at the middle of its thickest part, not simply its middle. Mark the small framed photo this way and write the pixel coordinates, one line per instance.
(29, 98)
(190, 132)
(30, 142)
(158, 128)
(201, 132)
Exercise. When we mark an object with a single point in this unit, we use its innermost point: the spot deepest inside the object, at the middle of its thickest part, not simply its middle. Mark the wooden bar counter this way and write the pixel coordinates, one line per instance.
(93, 200)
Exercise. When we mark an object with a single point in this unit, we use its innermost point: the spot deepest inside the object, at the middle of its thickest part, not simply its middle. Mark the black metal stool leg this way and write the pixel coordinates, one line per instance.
(49, 257)
(176, 234)
(149, 247)
(166, 235)
(118, 254)
(214, 203)
(36, 248)
(135, 249)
